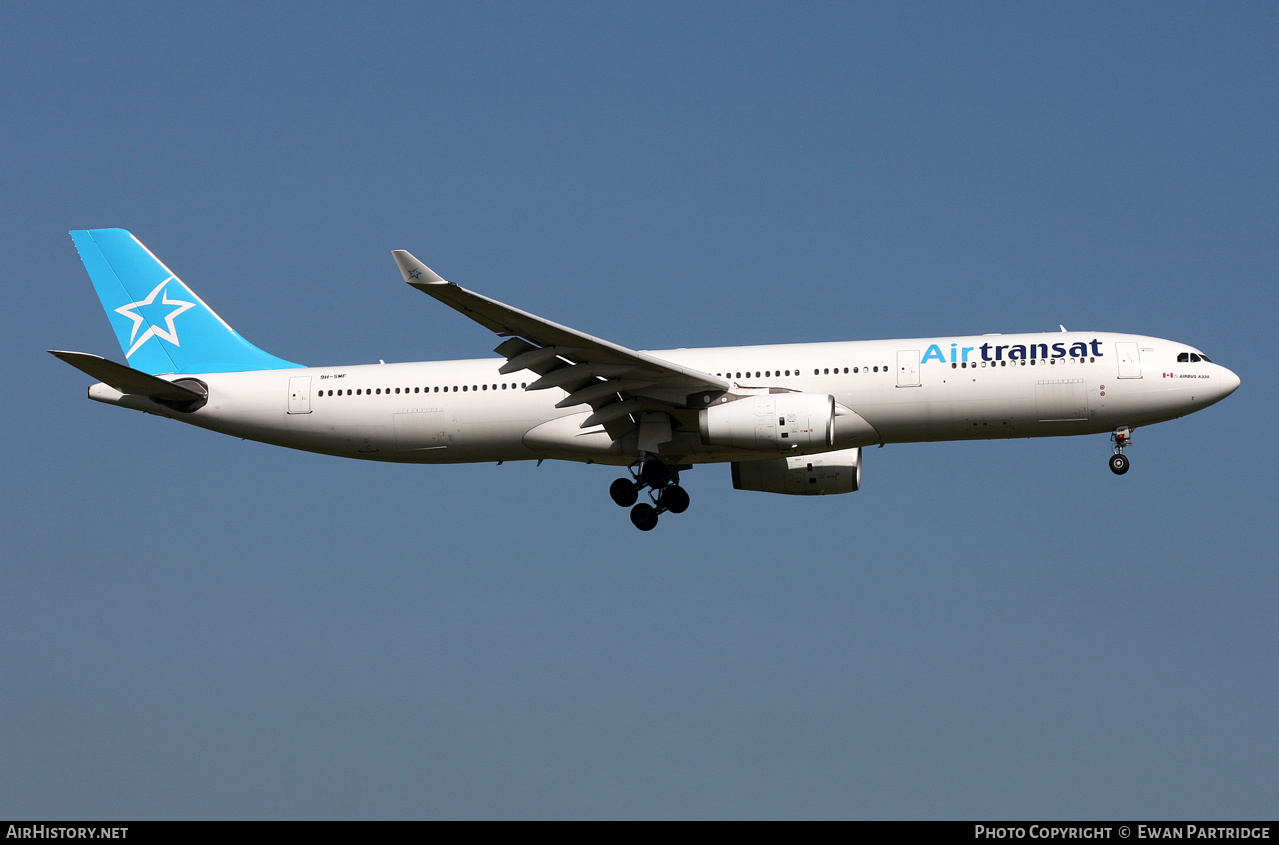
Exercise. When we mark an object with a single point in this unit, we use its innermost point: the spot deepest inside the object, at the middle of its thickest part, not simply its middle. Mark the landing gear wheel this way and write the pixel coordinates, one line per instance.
(1118, 464)
(655, 474)
(644, 517)
(674, 499)
(623, 492)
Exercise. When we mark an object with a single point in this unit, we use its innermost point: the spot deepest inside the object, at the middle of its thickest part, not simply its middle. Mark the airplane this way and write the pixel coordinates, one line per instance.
(788, 418)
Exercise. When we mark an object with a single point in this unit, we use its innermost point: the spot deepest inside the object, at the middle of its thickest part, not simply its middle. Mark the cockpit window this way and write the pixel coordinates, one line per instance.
(1192, 358)
(1205, 357)
(1183, 358)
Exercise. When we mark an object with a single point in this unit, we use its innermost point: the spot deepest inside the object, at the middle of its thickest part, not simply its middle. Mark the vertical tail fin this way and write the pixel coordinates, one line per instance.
(162, 326)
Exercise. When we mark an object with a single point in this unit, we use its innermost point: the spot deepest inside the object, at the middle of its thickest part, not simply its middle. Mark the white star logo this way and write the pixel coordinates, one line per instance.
(153, 330)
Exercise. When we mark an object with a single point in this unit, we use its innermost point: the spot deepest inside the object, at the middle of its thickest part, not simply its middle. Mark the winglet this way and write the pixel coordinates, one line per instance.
(415, 272)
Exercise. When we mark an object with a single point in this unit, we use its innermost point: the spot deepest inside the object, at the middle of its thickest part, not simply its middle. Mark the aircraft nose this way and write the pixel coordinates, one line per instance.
(1229, 382)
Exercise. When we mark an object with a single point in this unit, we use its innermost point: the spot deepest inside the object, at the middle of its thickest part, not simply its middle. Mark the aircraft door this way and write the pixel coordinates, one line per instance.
(908, 368)
(1129, 359)
(300, 395)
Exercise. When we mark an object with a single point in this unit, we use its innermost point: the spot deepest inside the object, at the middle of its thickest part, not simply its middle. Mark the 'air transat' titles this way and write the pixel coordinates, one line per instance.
(1014, 351)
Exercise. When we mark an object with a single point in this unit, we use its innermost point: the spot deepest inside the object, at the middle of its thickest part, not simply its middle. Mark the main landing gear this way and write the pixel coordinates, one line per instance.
(1121, 437)
(664, 491)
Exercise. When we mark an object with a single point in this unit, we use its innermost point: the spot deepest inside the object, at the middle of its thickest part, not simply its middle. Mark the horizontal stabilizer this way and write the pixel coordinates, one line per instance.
(126, 379)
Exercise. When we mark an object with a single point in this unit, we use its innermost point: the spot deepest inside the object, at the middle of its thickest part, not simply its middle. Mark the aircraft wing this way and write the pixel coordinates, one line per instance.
(614, 381)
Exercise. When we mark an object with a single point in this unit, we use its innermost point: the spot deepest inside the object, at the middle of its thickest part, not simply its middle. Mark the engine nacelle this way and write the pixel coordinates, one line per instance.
(771, 422)
(802, 475)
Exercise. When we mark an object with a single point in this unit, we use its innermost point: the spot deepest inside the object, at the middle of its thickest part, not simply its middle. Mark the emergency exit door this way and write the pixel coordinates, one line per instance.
(908, 368)
(300, 395)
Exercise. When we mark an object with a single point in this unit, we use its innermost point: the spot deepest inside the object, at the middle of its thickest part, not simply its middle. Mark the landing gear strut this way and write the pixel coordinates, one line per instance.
(662, 481)
(1121, 437)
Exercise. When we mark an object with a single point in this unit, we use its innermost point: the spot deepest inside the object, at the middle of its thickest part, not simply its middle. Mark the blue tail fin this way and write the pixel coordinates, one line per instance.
(162, 326)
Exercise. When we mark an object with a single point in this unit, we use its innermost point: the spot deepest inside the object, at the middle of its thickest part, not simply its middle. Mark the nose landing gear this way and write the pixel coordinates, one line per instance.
(665, 493)
(1121, 437)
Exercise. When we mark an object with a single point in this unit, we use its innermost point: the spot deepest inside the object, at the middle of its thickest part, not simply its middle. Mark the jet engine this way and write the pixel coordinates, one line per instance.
(802, 475)
(771, 422)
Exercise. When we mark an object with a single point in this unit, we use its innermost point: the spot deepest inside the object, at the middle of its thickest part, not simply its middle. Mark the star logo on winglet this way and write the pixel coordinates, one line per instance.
(154, 329)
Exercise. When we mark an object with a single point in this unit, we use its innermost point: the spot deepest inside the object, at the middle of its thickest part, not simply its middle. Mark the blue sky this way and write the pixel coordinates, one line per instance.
(199, 627)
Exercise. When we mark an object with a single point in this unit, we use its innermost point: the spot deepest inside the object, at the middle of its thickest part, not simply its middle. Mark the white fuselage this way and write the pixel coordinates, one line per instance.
(895, 391)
